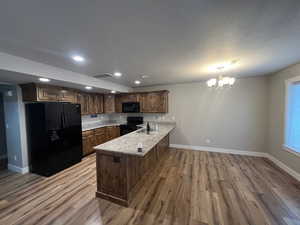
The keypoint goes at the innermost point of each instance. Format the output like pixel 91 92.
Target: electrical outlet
pixel 208 141
pixel 15 157
pixel 6 125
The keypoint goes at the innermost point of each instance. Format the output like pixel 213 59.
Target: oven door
pixel 130 107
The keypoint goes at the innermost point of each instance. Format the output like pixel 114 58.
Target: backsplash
pixel 121 117
pixel 95 118
pixel 157 117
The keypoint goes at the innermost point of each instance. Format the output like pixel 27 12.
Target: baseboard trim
pixel 219 150
pixel 284 167
pixel 277 162
pixel 17 169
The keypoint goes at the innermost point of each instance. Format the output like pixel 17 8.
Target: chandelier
pixel 221 81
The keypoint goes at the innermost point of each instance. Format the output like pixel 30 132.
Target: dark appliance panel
pixel 54 136
pixel 130 107
pixel 131 124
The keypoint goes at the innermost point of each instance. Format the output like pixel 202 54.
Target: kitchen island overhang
pixel 121 168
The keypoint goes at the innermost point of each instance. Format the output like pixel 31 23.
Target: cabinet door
pixel 118 103
pixel 109 104
pixel 48 93
pixel 116 131
pixel 98 103
pixel 100 136
pixel 155 102
pixel 130 98
pixel 112 175
pixel 110 133
pixel 67 95
pixel 81 99
pixel 88 142
pixel 91 107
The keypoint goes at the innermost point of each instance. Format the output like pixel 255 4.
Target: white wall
pixel 231 118
pixel 15 129
pixel 276 117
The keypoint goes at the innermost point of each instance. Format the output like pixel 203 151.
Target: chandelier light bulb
pixel 221 83
pixel 231 81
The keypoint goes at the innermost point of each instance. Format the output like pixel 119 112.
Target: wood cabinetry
pixel 119 176
pixel 112 132
pixel 150 102
pixel 98 103
pixel 98 136
pixel 92 103
pixel 68 95
pixel 85 101
pixel 154 102
pixel 128 97
pixel 41 92
pixel 112 174
pixel 109 103
pixel 88 142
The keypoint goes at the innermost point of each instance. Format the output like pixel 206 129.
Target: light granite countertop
pixel 92 126
pixel 127 144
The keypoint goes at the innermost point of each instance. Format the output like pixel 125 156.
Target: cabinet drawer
pixel 87 133
pixel 100 130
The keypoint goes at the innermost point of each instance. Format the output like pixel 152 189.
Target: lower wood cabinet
pixel 112 132
pixel 88 142
pixel 119 176
pixel 98 136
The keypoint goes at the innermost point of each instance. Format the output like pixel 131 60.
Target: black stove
pixel 131 124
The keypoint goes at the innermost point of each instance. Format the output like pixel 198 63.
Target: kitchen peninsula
pixel 120 166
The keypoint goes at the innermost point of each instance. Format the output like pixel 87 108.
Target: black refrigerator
pixel 54 136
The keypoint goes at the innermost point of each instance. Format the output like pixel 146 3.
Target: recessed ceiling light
pixel 137 82
pixel 117 74
pixel 78 58
pixel 113 92
pixel 44 79
pixel 88 88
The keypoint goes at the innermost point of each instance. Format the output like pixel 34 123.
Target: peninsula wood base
pixel 120 176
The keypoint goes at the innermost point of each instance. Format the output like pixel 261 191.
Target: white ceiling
pixel 171 41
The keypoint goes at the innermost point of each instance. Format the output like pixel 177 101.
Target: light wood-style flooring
pixel 189 187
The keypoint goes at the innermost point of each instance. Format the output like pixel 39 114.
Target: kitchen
pixel 94 133
pixel 149 112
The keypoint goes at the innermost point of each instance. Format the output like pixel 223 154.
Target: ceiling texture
pixel 170 41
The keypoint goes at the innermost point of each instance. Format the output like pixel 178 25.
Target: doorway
pixel 3 148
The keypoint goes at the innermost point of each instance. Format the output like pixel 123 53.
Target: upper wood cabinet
pixel 42 92
pixel 154 102
pixel 67 95
pixel 109 103
pixel 85 100
pixel 94 103
pixel 98 104
pixel 126 97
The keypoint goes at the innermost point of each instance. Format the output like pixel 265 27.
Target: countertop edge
pixel 142 154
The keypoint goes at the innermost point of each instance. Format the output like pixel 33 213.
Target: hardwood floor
pixel 189 187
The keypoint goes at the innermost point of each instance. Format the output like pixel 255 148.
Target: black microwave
pixel 130 107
